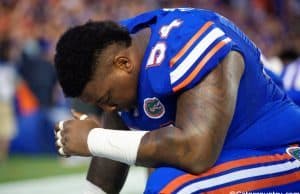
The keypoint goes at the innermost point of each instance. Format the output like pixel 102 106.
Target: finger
pixel 59 143
pixel 56 128
pixel 76 114
pixel 61 125
pixel 58 135
pixel 61 152
pixel 83 117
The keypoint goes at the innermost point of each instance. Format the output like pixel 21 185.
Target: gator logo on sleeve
pixel 294 152
pixel 153 108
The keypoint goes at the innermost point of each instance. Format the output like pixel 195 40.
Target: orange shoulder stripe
pixel 198 68
pixel 190 43
pixel 173 185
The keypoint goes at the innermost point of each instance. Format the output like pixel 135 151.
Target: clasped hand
pixel 71 135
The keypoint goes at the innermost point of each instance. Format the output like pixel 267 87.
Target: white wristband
pixel 90 188
pixel 118 145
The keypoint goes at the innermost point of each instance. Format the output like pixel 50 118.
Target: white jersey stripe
pixel 197 51
pixel 238 175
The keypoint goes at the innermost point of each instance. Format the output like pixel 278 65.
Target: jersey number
pixel 158 51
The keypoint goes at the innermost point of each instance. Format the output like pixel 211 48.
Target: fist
pixel 71 136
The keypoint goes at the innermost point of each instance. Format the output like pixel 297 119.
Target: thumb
pixel 76 115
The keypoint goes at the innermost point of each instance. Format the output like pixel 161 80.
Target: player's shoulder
pixel 184 46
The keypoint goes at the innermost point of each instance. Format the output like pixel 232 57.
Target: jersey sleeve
pixel 199 55
pixel 193 49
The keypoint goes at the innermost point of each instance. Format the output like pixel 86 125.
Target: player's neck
pixel 140 41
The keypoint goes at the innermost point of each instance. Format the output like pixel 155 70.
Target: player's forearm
pixel 187 148
pixel 172 146
pixel 191 151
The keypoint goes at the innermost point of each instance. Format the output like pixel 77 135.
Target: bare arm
pixel 109 175
pixel 203 116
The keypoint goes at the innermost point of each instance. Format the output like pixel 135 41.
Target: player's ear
pixel 123 63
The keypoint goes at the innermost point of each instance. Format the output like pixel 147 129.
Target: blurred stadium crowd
pixel 30 98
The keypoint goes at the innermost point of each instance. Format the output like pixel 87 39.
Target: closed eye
pixel 104 99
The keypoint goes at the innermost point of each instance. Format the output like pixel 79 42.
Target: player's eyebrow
pixel 99 100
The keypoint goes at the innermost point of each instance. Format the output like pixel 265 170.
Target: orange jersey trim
pixel 173 185
pixel 198 68
pixel 259 184
pixel 190 43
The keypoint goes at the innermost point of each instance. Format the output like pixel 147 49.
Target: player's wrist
pixel 118 145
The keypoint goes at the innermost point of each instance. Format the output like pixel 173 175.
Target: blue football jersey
pixel 185 45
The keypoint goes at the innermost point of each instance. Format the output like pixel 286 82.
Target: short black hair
pixel 78 49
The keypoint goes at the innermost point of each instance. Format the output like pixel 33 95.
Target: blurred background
pixel 31 100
